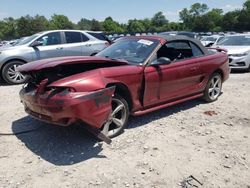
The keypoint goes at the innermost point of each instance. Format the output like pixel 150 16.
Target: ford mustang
pixel 134 76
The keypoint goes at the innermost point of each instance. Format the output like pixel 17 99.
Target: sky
pixel 119 10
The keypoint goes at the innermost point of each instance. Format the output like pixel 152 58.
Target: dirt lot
pixel 211 142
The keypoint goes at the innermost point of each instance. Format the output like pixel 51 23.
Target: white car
pixel 208 41
pixel 238 47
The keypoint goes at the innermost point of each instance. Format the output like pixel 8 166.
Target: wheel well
pixel 123 91
pixel 220 72
pixel 10 61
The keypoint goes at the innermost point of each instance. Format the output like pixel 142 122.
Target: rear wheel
pixel 213 88
pixel 118 117
pixel 10 73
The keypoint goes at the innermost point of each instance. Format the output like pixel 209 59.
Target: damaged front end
pixel 64 91
pixel 65 106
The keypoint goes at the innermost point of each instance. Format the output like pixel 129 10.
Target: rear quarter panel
pixel 214 62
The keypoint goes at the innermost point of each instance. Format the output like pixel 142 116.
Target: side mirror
pixel 36 43
pixel 163 61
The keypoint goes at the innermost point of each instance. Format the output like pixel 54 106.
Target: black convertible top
pixel 170 38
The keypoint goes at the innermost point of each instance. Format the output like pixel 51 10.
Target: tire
pixel 248 69
pixel 213 88
pixel 119 115
pixel 11 75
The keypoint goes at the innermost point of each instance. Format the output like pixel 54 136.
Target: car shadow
pixel 55 144
pixel 165 112
pixel 239 72
pixel 2 82
pixel 71 145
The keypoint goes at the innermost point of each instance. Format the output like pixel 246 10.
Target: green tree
pixel 213 20
pixel 135 26
pixel 1 30
pixel 176 26
pixel 243 18
pixel 159 20
pixel 9 28
pixel 96 25
pixel 84 24
pixel 60 22
pixel 39 23
pixel 198 9
pixel 24 26
pixel 111 26
pixel 192 17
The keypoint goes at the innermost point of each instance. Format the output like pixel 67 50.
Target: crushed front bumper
pixel 65 108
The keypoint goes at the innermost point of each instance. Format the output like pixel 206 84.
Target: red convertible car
pixel 134 76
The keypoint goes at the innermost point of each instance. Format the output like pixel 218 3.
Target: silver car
pixel 48 44
pixel 238 49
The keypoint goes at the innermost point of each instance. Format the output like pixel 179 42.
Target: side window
pixel 99 36
pixel 73 37
pixel 84 38
pixel 196 50
pixel 50 39
pixel 175 51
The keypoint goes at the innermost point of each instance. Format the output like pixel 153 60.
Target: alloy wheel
pixel 14 74
pixel 117 118
pixel 214 89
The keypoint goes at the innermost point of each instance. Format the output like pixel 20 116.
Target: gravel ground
pixel 211 142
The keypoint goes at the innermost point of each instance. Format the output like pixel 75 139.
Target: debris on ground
pixel 190 182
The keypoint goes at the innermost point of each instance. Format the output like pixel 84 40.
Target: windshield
pixel 213 39
pixel 235 41
pixel 133 50
pixel 26 40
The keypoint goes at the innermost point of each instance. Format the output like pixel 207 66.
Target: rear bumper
pixel 64 109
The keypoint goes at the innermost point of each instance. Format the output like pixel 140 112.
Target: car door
pixel 76 44
pixel 50 46
pixel 166 82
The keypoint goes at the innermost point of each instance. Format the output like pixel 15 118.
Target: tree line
pixel 198 17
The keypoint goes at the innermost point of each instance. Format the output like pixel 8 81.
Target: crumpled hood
pixel 53 62
pixel 236 49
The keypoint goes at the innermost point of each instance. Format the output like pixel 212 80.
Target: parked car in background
pixel 220 38
pixel 184 33
pixel 188 34
pixel 209 41
pixel 48 44
pixel 135 75
pixel 238 47
pixel 99 35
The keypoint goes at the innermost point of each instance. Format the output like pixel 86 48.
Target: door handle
pixel 88 45
pixel 59 48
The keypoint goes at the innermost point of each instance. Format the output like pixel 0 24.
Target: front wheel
pixel 213 88
pixel 118 117
pixel 10 73
pixel 248 69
